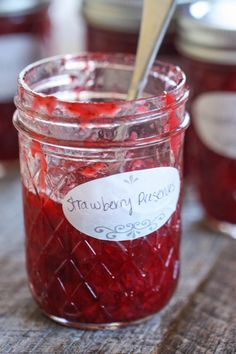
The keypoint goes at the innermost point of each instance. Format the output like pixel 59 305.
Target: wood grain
pixel 199 319
pixel 207 323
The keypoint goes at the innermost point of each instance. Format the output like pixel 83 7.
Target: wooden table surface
pixel 201 318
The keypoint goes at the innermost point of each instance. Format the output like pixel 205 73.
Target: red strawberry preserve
pixel 24 27
pixel 210 62
pixel 102 184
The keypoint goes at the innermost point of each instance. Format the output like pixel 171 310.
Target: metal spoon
pixel 155 20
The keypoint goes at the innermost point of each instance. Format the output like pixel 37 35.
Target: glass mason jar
pixel 113 26
pixel 24 26
pixel 207 41
pixel 102 182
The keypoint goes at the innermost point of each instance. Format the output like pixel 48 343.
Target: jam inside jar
pixel 102 185
pixel 24 28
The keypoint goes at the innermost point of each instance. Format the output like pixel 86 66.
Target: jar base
pixel 96 326
pixel 224 227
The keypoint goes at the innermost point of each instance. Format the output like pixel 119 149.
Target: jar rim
pixel 179 91
pixel 48 116
pixel 206 31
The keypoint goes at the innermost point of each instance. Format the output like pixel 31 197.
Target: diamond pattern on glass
pixel 81 279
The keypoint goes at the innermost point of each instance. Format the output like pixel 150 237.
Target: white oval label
pixel 124 206
pixel 215 121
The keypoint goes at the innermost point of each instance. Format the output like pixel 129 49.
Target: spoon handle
pixel 155 20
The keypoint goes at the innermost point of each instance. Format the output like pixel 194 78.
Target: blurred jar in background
pixel 113 26
pixel 207 40
pixel 24 29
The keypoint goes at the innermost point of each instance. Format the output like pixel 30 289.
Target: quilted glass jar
pixel 102 182
pixel 207 33
pixel 24 27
